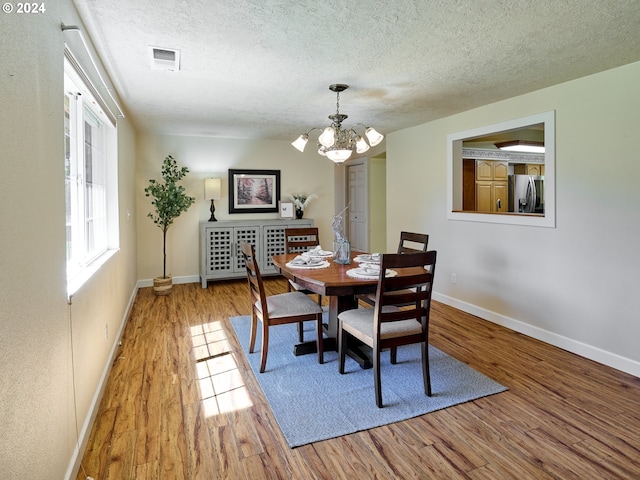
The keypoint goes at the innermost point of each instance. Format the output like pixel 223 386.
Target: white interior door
pixel 358 206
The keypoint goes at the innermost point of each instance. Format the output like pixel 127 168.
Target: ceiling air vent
pixel 165 59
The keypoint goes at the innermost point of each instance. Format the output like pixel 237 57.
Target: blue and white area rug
pixel 313 402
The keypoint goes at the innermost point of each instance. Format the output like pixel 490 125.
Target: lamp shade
pixel 327 137
pixel 374 136
pixel 301 142
pixel 361 145
pixel 212 188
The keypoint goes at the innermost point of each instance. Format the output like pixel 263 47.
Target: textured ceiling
pixel 262 68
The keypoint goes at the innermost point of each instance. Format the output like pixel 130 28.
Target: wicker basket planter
pixel 162 285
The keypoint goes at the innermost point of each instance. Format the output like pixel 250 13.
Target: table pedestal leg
pixel 356 350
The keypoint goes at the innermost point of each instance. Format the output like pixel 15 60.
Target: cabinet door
pixel 534 169
pixel 272 244
pixel 520 169
pixel 492 197
pixel 249 234
pixel 484 170
pixel 219 251
pixel 500 171
pixel 500 194
pixel 483 196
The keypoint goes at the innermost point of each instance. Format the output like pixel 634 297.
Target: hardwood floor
pixel 564 417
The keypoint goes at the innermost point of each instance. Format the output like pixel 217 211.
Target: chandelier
pixel 336 143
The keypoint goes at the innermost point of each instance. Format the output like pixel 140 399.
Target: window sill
pixel 76 283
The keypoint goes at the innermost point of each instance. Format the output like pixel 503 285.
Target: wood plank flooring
pixel 564 417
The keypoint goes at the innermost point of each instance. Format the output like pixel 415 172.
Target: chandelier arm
pixel 314 128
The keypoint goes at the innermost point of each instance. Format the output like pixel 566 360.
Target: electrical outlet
pixel 454 278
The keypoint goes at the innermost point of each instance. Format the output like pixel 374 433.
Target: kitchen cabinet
pixel 492 197
pixel 491 187
pixel 492 170
pixel 220 252
pixel 528 169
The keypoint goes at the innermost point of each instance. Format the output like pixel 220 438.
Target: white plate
pixel 323 264
pixel 319 254
pixel 364 275
pixel 365 257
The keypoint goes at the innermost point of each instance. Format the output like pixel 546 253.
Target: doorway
pixel 357 199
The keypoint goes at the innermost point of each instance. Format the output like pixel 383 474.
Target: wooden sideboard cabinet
pixel 220 253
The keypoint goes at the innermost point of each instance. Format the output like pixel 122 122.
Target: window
pixel 90 180
pixel 456 167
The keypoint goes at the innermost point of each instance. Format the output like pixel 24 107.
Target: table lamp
pixel 212 192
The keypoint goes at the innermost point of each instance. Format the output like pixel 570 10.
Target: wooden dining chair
pixel 290 307
pixel 300 240
pixel 396 318
pixel 410 242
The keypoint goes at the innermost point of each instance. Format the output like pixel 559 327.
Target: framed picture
pixel 254 191
pixel 286 210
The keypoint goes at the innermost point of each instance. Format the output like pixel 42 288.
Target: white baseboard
pixel 588 351
pixel 148 282
pixel 83 438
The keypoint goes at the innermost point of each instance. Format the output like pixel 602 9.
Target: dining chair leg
pixel 252 335
pixel 300 332
pixel 393 355
pixel 319 339
pixel 376 377
pixel 265 347
pixel 426 377
pixel 341 348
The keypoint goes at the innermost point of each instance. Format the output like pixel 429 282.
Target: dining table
pixel 331 281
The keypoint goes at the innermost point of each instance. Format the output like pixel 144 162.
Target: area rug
pixel 313 402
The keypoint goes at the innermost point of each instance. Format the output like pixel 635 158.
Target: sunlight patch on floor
pixel 222 387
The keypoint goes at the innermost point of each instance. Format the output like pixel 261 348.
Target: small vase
pixel 299 213
pixel 342 252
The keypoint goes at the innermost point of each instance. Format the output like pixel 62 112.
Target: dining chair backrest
pixel 413 242
pixel 412 290
pixel 410 242
pixel 298 240
pixel 256 288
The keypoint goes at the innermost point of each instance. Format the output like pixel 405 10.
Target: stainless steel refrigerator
pixel 526 194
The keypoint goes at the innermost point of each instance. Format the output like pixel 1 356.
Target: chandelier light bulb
pixel 374 136
pixel 361 145
pixel 301 142
pixel 327 137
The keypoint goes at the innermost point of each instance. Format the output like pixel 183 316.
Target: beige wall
pixel 575 285
pixel 213 157
pixel 378 205
pixel 38 434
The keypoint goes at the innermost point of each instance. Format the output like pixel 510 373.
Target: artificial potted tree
pixel 169 201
